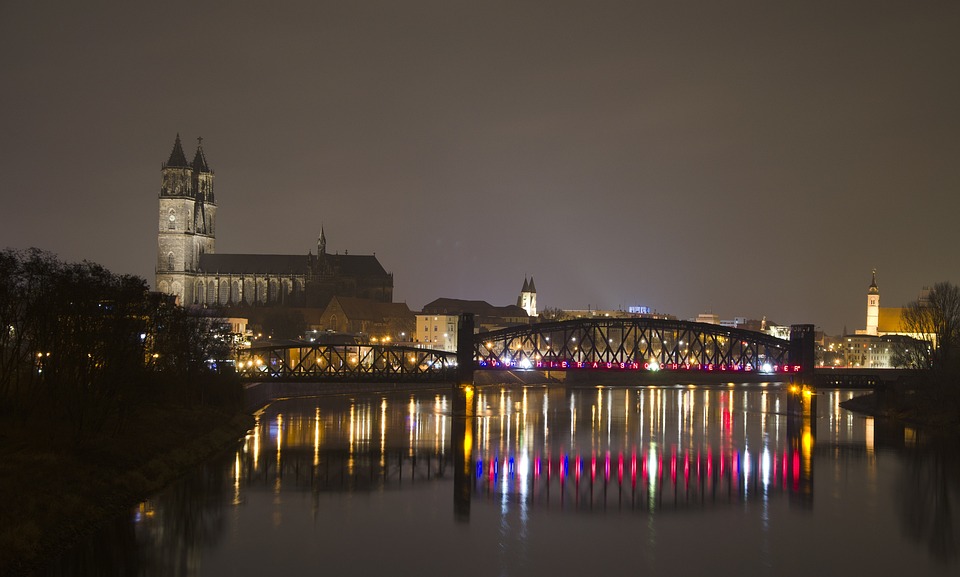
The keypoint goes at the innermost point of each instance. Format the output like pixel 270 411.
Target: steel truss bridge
pixel 631 344
pixel 634 344
pixel 346 363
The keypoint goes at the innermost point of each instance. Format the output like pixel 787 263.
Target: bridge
pixel 602 344
pixel 306 361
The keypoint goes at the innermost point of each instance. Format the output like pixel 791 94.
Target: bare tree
pixel 936 320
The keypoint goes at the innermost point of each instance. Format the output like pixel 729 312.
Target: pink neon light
pixel 796 471
pixel 636 366
pixel 673 465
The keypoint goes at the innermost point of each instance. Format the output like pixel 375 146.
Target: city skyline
pixel 746 160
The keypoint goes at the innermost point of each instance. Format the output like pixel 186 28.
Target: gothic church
pixel 189 268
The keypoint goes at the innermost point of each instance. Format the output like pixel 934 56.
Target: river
pixel 681 480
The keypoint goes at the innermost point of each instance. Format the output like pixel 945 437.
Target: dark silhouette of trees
pixel 82 342
pixel 936 319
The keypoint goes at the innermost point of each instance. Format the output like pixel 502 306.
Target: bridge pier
pixel 802 412
pixel 463 413
pixel 801 399
pixel 803 351
pixel 465 361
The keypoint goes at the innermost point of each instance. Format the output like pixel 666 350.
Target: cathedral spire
pixel 874 289
pixel 177 158
pixel 199 159
pixel 322 243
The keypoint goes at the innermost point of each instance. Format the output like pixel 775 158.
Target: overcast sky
pixel 743 158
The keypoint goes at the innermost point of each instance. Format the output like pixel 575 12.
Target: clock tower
pixel 873 306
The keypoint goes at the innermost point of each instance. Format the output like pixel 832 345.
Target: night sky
pixel 743 158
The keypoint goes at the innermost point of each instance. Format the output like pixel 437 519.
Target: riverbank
pixel 54 491
pixel 904 404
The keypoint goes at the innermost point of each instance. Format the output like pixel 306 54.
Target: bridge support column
pixel 801 398
pixel 803 350
pixel 802 413
pixel 463 413
pixel 465 348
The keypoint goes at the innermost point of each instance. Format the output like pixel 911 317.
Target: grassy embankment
pixel 56 486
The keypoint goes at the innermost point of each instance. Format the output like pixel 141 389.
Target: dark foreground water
pixel 536 481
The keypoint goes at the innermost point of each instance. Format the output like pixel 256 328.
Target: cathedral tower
pixel 873 306
pixel 187 222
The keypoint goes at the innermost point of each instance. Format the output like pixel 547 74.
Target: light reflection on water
pixel 730 480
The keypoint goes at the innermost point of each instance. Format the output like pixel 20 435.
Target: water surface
pixel 534 481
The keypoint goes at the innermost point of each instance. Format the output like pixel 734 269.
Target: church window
pixel 172 220
pixel 170 261
pixel 223 296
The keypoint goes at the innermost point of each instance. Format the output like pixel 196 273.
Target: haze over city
pixel 742 158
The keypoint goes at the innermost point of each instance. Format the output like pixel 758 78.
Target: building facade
pixel 438 331
pixel 372 320
pixel 189 267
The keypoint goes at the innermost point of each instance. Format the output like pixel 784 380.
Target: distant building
pixel 888 321
pixel 189 267
pixel 761 326
pixel 367 318
pixel 879 352
pixel 438 331
pixel 487 317
pixel 528 298
pixel 708 318
pixel 614 314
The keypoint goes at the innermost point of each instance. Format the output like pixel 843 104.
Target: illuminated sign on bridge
pixel 635 366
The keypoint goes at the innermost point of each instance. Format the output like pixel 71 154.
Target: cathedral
pixel 189 267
